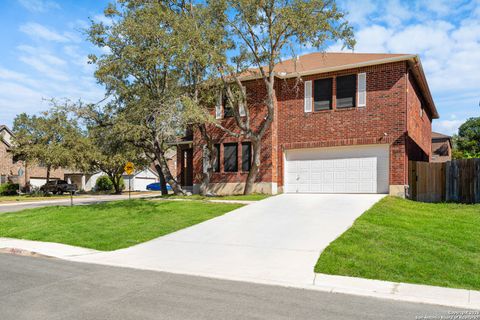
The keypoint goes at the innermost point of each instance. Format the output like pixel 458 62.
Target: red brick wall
pixel 419 125
pixel 256 94
pixel 385 112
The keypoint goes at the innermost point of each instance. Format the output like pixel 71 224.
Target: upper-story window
pixel 346 91
pixel 322 94
pixel 224 110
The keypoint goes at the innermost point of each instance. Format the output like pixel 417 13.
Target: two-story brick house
pixel 343 123
pixel 33 175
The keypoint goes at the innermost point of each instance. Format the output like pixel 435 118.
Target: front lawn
pixel 404 241
pixel 108 226
pixel 249 197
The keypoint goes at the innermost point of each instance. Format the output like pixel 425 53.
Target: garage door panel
pixel 362 169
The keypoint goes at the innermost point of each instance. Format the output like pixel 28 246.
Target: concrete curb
pixel 460 298
pixel 50 249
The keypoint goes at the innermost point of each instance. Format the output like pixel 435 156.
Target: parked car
pixel 58 187
pixel 156 187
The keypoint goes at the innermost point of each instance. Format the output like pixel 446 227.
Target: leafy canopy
pixel 467 142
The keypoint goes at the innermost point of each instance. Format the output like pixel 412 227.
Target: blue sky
pixel 44 52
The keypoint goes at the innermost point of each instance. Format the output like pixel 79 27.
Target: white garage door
pixel 37 182
pixel 359 169
pixel 140 184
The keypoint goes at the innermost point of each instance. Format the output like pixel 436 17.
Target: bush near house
pixel 105 184
pixel 8 189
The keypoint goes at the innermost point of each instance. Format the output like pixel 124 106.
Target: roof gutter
pixel 419 74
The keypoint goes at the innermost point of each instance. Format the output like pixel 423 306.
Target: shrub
pixel 8 189
pixel 104 184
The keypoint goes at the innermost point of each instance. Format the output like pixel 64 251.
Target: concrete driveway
pixel 277 240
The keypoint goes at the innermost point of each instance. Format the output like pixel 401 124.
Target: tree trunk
pixel 115 178
pixel 212 158
pixel 255 168
pixel 163 183
pixel 48 173
pixel 162 162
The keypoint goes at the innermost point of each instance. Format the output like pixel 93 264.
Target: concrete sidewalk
pixel 459 298
pixel 77 200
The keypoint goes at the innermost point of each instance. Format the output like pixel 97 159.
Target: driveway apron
pixel 277 240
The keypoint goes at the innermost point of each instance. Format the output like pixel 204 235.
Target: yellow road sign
pixel 129 168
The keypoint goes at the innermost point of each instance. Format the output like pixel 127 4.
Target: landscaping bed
pixel 404 241
pixel 108 226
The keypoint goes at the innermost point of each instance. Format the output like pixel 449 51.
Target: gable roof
pixel 322 62
pixel 440 136
pixel 2 128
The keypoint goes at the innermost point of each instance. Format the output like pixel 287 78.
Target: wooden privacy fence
pixel 453 181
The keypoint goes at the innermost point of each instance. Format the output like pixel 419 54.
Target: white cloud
pixel 100 18
pixel 446 35
pixel 449 127
pixel 11 75
pixel 38 5
pixel 44 68
pixel 36 30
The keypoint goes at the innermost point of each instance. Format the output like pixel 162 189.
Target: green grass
pixel 404 241
pixel 108 226
pixel 250 197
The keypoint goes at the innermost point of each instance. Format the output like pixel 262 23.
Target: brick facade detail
pixel 392 116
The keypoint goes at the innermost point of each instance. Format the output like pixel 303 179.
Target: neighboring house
pixel 88 181
pixel 441 147
pixel 84 181
pixel 343 123
pixel 140 179
pixel 33 175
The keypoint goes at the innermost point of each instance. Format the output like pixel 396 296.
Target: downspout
pixel 406 170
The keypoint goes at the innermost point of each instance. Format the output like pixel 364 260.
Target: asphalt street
pixel 44 288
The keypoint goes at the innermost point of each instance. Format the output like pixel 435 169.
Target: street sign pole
pixel 129 169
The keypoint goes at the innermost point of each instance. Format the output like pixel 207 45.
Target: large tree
pixel 262 33
pixel 50 139
pixel 467 141
pixel 160 55
pixel 137 71
pixel 104 149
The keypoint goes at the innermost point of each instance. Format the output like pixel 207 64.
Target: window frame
pixel 354 93
pixel 330 106
pixel 225 159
